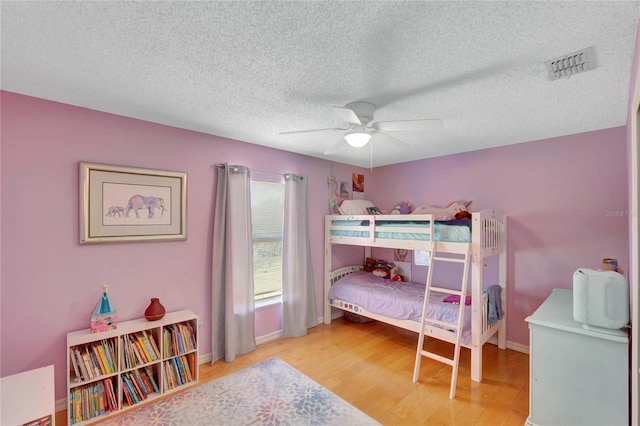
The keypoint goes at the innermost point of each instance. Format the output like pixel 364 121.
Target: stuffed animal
pixel 403 207
pixel 445 213
pixel 369 264
pixel 382 269
pixel 395 275
pixel 463 215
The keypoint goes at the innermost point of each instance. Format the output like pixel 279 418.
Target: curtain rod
pixel 260 171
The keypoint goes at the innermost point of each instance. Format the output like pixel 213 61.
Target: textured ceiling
pixel 250 70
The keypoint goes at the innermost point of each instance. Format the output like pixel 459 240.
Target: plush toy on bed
pixel 403 207
pixel 382 269
pixel 455 210
pixel 395 275
pixel 463 215
pixel 369 264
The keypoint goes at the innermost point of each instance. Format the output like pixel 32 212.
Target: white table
pixel 27 397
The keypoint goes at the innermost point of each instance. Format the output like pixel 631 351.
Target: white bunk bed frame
pixel 488 238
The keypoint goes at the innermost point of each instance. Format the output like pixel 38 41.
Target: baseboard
pixel 269 337
pixel 518 347
pixel 205 359
pixel 510 345
pixel 278 334
pixel 61 405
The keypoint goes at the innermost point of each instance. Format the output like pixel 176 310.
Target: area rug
pixel 270 393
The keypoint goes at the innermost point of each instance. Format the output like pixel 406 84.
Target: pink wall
pixel 50 284
pixel 565 197
pixel 555 191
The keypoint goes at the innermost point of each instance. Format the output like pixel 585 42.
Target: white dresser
pixel 28 398
pixel 577 376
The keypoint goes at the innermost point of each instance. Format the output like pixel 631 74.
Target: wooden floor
pixel 371 366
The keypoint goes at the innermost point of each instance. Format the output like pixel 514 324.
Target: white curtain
pixel 298 290
pixel 232 276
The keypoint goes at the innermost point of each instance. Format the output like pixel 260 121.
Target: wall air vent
pixel 575 63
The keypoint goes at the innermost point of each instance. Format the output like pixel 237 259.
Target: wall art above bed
pixel 120 204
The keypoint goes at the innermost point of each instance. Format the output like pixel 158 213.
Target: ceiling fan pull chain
pixel 371 158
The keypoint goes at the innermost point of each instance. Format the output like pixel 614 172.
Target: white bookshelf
pixel 165 354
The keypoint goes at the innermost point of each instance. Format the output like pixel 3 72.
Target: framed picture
pixel 119 204
pixel 373 210
pixel 357 182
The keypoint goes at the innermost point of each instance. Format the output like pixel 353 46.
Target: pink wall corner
pixel 565 198
pixel 634 96
pixel 50 283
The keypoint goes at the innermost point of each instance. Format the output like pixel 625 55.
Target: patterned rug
pixel 270 392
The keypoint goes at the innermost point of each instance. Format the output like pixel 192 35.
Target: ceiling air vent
pixel 575 63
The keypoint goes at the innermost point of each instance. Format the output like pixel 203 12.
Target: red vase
pixel 155 310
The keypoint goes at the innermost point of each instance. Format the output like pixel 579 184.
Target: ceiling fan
pixel 361 130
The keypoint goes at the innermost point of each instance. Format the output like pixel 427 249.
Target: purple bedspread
pixel 396 299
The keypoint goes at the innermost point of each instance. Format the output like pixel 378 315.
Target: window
pixel 267 218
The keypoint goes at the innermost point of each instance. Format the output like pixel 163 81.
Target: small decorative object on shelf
pixel 155 310
pixel 103 317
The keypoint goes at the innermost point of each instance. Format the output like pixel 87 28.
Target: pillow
pixel 444 213
pixel 354 207
pixel 456 300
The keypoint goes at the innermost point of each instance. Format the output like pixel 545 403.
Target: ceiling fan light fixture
pixel 357 138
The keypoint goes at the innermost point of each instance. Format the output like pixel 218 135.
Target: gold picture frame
pixel 131 204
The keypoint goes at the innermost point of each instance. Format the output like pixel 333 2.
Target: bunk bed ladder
pixel 427 322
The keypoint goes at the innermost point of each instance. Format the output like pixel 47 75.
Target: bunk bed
pixel 484 235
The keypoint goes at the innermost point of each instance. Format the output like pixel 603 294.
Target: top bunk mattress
pixel 455 231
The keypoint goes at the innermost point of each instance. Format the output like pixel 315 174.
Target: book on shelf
pixel 112 402
pixel 151 342
pixel 149 381
pixel 127 353
pixel 127 393
pixel 142 385
pixel 140 394
pixel 102 402
pixel 131 388
pixel 88 401
pixel 104 359
pixel 42 421
pixel 177 371
pixel 74 362
pixel 143 348
pixel 187 368
pixel 84 375
pixel 145 341
pixel 77 404
pixel 133 355
pixel 149 374
pixel 86 356
pixel 110 354
pixel 169 376
pixel 101 365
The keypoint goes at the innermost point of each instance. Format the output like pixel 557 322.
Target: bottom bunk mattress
pixel 400 300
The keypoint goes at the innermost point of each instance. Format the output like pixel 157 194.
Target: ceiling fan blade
pixel 391 141
pixel 408 125
pixel 314 131
pixel 335 147
pixel 347 114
